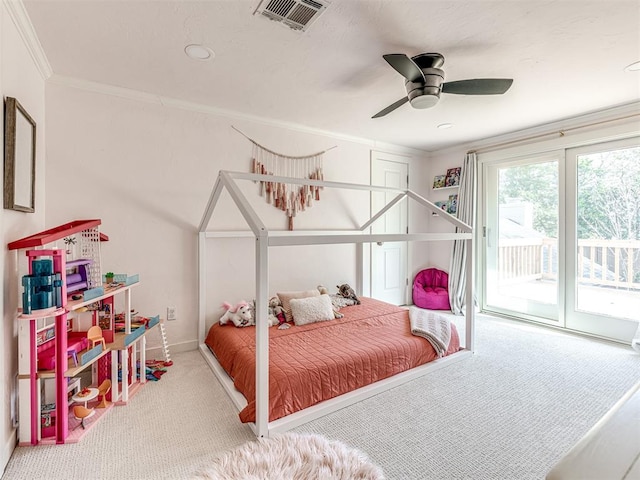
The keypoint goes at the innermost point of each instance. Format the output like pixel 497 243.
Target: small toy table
pixel 78 398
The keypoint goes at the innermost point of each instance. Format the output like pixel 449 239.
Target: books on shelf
pixel 452 179
pixel 449 180
pixel 450 205
pixel 438 181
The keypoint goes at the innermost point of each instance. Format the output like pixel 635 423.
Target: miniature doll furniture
pixel 79 276
pixel 431 289
pixel 76 342
pixel 42 288
pixel 82 413
pixel 103 389
pixel 94 335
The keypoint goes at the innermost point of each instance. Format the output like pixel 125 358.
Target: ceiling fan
pixel 425 81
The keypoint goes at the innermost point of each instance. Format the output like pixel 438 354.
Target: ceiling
pixel 566 57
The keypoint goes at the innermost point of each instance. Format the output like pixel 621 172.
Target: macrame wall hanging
pixel 291 198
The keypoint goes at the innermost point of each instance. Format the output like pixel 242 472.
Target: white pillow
pixel 285 298
pixel 311 309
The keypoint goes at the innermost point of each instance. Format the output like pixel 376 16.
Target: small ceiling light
pixel 198 52
pixel 424 101
pixel 634 67
pixel 445 125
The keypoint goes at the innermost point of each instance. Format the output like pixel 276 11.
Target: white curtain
pixel 466 212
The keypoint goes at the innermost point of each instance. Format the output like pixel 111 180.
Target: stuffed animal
pixel 240 315
pixel 323 291
pixel 346 291
pixel 273 320
pixel 276 312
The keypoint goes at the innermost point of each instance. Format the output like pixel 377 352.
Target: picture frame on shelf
pixel 452 204
pixel 442 205
pixel 439 181
pixel 452 179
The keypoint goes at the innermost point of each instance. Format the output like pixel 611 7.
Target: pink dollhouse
pixel 53 351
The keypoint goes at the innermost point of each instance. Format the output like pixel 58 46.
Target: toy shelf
pixel 73 370
pixel 446 188
pixel 109 291
pixel 124 340
pixel 39 314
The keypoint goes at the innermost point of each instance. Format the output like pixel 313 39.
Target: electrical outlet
pixel 171 314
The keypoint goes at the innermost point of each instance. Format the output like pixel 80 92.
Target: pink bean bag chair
pixel 431 289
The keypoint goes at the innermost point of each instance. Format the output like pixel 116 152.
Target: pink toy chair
pixel 431 289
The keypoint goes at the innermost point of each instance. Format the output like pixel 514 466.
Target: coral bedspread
pixel 319 361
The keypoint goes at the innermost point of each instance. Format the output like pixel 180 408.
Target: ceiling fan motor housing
pixel 425 94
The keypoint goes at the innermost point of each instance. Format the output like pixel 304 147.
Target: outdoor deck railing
pixel 613 263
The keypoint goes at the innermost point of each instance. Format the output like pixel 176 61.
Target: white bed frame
pixel 264 240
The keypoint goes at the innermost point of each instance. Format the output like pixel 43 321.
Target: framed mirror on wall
pixel 19 157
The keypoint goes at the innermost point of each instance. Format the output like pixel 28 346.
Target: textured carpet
pixel 509 412
pixel 292 456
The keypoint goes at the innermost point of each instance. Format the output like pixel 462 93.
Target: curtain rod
pixel 560 133
pixel 279 154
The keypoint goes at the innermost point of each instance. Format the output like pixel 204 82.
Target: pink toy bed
pixel 76 342
pixel 319 361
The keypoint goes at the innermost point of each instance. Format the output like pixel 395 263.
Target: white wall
pixel 439 163
pixel 19 78
pixel 147 172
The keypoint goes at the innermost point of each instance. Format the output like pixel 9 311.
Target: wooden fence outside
pixel 612 263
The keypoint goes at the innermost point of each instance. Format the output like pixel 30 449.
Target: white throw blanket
pixel 435 328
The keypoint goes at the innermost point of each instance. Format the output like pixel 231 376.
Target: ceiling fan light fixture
pixel 199 52
pixel 424 101
pixel 634 67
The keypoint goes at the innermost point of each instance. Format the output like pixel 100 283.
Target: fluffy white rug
pixel 292 456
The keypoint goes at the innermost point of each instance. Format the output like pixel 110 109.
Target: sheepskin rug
pixel 292 456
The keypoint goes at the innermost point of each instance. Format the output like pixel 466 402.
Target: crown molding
pixel 141 96
pixel 615 114
pixel 23 24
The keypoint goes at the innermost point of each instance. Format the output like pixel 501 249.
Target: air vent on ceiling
pixel 296 14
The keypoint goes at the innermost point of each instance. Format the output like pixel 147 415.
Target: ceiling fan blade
pixel 478 86
pixel 391 107
pixel 404 66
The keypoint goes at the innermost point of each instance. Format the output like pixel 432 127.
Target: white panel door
pixel 389 260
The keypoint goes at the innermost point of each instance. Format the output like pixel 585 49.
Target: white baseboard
pixel 156 352
pixel 7 450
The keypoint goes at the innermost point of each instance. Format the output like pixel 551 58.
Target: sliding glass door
pixel 561 238
pixel 603 239
pixel 521 237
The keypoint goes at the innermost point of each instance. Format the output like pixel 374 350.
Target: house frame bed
pixel 265 239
